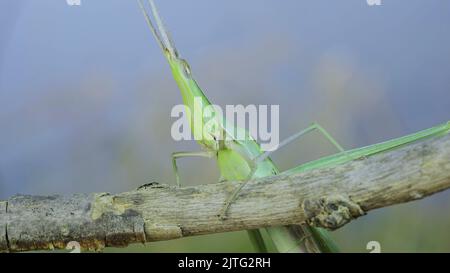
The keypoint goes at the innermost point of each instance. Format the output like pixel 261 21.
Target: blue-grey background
pixel 85 94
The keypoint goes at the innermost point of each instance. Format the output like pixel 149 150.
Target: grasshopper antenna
pixel 160 32
pixel 150 25
pixel 162 29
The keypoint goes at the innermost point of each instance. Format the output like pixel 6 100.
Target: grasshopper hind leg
pixel 313 127
pixel 255 162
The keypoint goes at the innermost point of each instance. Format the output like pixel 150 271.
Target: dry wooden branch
pixel 329 197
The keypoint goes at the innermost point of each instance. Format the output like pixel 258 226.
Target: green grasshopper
pixel 243 159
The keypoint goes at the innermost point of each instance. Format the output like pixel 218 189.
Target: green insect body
pixel 367 151
pixel 238 160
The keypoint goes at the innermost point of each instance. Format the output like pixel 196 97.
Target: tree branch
pixel 328 197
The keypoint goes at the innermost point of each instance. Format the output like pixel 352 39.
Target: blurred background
pixel 85 95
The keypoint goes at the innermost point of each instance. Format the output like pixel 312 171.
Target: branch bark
pixel 328 197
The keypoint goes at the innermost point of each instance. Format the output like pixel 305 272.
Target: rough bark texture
pixel 329 197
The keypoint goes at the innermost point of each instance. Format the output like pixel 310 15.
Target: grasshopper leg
pixel 313 127
pixel 178 155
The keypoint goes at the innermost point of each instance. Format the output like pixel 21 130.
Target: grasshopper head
pixel 206 128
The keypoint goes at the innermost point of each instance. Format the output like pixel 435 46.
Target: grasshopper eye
pixel 187 68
